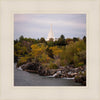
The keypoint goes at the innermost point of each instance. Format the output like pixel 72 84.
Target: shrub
pixel 75 53
pixel 63 62
pixel 57 62
pixel 80 64
pixel 23 60
pixel 52 66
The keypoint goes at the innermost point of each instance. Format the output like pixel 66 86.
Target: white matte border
pixel 9 92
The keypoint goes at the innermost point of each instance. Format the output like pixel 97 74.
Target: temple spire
pixel 50 34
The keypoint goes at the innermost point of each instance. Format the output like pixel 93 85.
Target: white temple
pixel 50 35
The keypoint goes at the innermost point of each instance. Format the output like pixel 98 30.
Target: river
pixel 22 78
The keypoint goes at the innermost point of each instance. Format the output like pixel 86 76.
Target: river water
pixel 22 78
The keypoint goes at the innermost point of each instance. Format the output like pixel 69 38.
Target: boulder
pixel 30 67
pixel 80 78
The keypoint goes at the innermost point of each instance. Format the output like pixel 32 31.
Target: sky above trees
pixel 38 25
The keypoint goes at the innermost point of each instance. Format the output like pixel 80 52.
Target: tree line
pixel 61 52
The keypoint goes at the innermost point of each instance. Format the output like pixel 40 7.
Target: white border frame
pixel 8 91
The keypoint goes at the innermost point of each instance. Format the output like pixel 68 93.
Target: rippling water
pixel 22 78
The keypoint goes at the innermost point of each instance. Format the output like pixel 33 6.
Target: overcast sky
pixel 38 25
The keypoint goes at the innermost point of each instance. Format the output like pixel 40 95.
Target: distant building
pixel 50 34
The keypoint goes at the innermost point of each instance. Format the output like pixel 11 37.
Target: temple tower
pixel 50 34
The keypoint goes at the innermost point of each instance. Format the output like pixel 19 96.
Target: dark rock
pixel 30 67
pixel 81 78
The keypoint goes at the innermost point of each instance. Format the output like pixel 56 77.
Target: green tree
pixel 42 40
pixel 50 43
pixel 75 39
pixel 21 38
pixel 69 41
pixel 15 41
pixel 49 52
pixel 84 38
pixel 61 41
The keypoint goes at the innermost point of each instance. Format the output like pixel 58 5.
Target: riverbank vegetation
pixel 51 54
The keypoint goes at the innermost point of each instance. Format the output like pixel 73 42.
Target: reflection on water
pixel 22 78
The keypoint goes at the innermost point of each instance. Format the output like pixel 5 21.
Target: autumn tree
pixel 75 53
pixel 56 51
pixel 39 52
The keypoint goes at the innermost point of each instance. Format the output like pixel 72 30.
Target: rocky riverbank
pixel 78 74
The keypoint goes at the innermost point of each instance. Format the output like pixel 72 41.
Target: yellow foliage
pixel 56 50
pixel 78 49
pixel 22 60
pixel 44 58
pixel 37 49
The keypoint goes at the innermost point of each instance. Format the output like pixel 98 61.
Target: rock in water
pixel 19 68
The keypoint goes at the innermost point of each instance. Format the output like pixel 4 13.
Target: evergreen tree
pixel 61 41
